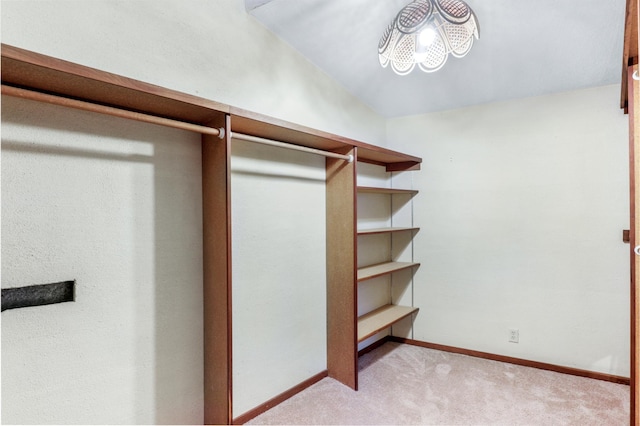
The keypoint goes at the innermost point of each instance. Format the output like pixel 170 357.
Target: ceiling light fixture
pixel 424 32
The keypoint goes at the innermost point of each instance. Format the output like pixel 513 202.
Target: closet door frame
pixel 634 236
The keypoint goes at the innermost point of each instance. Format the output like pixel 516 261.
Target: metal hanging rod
pixel 103 109
pixel 249 138
pixel 152 119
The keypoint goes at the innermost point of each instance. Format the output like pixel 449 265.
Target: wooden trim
pixel 279 399
pixel 374 345
pixel 630 49
pixel 342 298
pixel 516 361
pixel 634 238
pixel 216 203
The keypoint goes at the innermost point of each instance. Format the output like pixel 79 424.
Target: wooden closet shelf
pixel 253 123
pixel 380 269
pixel 384 230
pixel 372 190
pixel 381 318
pixel 34 71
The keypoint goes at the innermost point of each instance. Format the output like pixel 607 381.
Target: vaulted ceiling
pixel 526 48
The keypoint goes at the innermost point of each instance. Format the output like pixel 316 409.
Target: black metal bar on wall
pixel 37 295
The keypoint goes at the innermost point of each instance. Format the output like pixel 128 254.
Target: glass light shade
pixel 425 32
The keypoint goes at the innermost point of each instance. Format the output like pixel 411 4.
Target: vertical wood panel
pixel 634 173
pixel 342 328
pixel 216 203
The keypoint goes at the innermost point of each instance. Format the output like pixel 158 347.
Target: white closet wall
pixel 116 205
pixel 279 271
pixel 521 209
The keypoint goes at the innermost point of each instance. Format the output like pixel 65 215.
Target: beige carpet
pixel 403 384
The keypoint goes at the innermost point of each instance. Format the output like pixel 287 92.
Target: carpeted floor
pixel 403 384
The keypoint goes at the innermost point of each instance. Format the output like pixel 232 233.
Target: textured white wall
pixel 115 205
pixel 279 271
pixel 127 224
pixel 522 207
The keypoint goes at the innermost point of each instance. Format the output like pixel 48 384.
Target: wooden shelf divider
pixel 374 231
pixel 373 271
pixel 381 318
pixel 374 190
pixel 342 321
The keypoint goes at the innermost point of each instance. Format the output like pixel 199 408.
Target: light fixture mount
pixel 425 32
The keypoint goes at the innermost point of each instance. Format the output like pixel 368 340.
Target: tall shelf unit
pixel 385 257
pixel 43 78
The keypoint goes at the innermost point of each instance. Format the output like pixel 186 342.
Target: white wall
pixel 208 48
pixel 126 221
pixel 521 209
pixel 115 205
pixel 279 271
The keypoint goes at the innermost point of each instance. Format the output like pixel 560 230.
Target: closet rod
pixel 249 138
pixel 103 109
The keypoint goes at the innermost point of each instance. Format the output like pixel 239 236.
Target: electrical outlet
pixel 514 335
